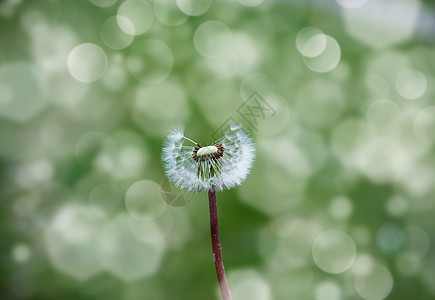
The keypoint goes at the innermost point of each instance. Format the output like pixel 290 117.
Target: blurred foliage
pixel 338 96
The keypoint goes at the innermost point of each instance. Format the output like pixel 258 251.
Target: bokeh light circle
pixel 363 261
pixel 70 240
pixel 373 282
pixel 212 39
pixel 334 251
pixel 411 84
pixel 367 23
pixel 248 284
pixel 328 290
pixel 150 61
pixel 113 36
pixel 87 62
pixel 168 13
pixel 139 13
pixel 315 46
pixel 310 42
pixel 103 3
pixel 193 7
pixel 328 59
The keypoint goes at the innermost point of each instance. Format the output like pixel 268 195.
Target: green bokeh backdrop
pixel 338 96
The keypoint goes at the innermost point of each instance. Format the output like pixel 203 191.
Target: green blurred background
pixel 338 96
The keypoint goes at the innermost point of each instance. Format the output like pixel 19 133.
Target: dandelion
pixel 222 165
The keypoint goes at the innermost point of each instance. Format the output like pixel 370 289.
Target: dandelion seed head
pixel 222 165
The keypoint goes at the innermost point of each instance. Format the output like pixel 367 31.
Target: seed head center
pixel 205 151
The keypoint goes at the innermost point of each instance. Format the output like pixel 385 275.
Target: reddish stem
pixel 216 245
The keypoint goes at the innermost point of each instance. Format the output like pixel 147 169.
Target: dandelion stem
pixel 216 245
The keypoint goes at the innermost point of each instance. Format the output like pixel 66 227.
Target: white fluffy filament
pixel 210 168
